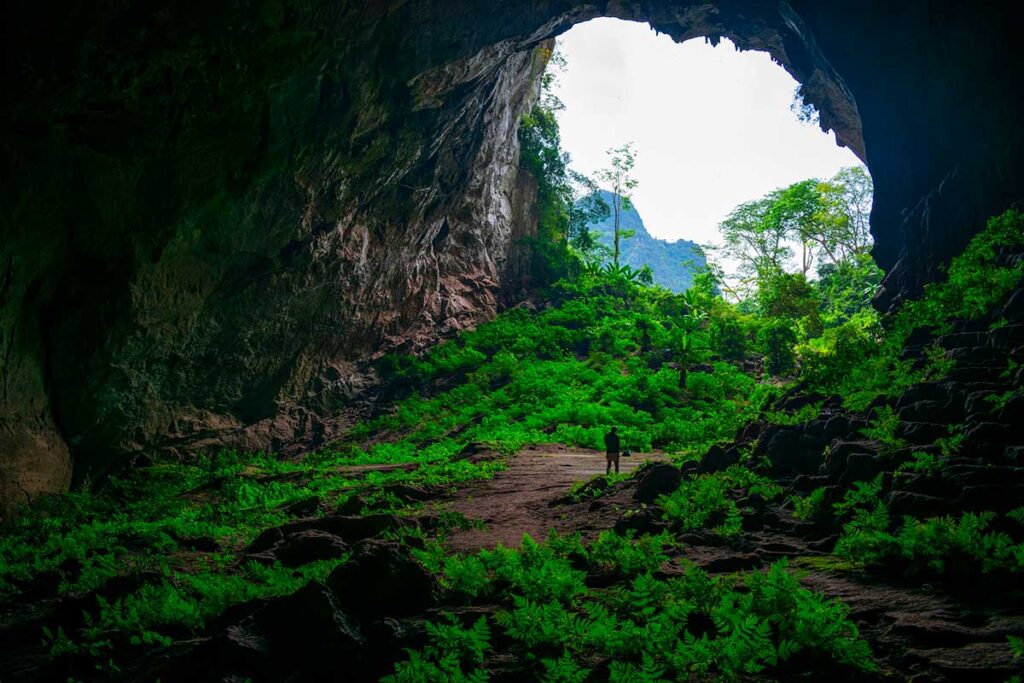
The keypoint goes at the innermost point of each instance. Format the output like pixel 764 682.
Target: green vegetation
pixel 647 626
pixel 607 354
pixel 954 548
pixel 709 500
pixel 860 359
pixel 156 554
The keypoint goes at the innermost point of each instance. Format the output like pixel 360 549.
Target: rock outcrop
pixel 213 218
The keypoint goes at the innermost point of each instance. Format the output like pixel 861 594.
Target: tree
pixel 775 340
pixel 755 241
pixel 587 208
pixel 827 219
pixel 855 195
pixel 618 177
pixel 566 200
pixel 796 213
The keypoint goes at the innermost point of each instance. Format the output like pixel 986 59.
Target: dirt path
pixel 916 632
pixel 518 500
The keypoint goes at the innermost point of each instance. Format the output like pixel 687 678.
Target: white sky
pixel 712 126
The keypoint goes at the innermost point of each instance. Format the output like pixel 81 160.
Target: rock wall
pixel 213 217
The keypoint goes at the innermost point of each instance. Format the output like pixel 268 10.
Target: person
pixel 611 449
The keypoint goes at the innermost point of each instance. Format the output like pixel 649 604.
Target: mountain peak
pixel 673 263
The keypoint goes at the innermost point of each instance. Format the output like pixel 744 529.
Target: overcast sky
pixel 712 126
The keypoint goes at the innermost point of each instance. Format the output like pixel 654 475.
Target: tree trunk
pixel 615 203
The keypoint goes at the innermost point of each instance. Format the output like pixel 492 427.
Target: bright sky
pixel 712 126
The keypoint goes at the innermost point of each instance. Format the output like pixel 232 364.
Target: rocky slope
pixel 672 263
pixel 213 218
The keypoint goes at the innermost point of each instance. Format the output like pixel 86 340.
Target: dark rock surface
pixel 214 217
pixel 382 580
pixel 657 480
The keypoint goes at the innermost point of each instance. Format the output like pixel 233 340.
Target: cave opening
pixel 710 128
pixel 287 287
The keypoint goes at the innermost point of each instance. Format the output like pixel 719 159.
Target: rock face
pixel 213 218
pixel 673 264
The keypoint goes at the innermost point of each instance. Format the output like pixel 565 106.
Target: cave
pixel 219 221
pixel 195 249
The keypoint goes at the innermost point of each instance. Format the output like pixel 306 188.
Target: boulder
pixel 657 480
pixel 790 451
pixel 382 579
pixel 302 508
pixel 310 545
pixel 860 467
pixel 309 628
pixel 718 458
pixel 916 504
pixel 921 432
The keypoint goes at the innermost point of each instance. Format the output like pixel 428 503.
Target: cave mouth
pixel 712 126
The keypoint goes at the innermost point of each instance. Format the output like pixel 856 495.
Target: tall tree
pixel 758 243
pixel 619 179
pixel 586 208
pixel 855 194
pixel 796 212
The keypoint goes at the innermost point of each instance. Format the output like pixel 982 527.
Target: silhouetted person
pixel 611 449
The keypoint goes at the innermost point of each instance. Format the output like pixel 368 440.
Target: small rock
pixel 642 521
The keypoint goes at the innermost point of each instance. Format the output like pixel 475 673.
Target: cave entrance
pixel 712 127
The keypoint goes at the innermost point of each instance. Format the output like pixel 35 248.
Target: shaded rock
pixel 303 547
pixel 589 489
pixel 978 356
pixel 1000 498
pixel 938 392
pixel 265 541
pixel 805 483
pixel 916 504
pixel 961 340
pixel 344 529
pixel 790 451
pixel 748 432
pixel 309 628
pixel 1013 409
pixel 350 528
pixel 839 453
pixel 203 544
pixel 1006 337
pixel 1013 310
pixel 642 521
pixel 860 467
pixel 410 494
pixel 992 436
pixel 382 579
pixel 921 432
pixel 976 373
pixel 796 399
pixel 302 508
pixel 657 480
pixel 932 411
pixel 973 662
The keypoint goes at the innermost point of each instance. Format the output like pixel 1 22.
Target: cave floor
pixel 523 499
pixel 917 631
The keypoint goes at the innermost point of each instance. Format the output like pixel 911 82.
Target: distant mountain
pixel 673 263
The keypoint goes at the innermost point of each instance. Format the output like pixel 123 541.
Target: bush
pixel 776 340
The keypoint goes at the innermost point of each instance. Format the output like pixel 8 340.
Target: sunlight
pixel 712 126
